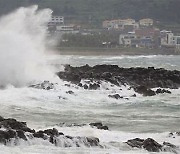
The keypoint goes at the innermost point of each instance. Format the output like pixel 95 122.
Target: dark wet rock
pixel 162 91
pixel 115 96
pixel 60 97
pixel 70 76
pixel 53 132
pixel 169 145
pixel 148 144
pixel 1 118
pixel 14 124
pixel 85 86
pixel 174 134
pixel 67 85
pixel 46 85
pixel 144 91
pixel 99 125
pixel 80 85
pixel 96 124
pixel 134 95
pixel 69 137
pixel 137 142
pixel 13 129
pixel 5 136
pixel 94 86
pixel 39 134
pixel 151 145
pixel 70 92
pixel 104 128
pixel 134 77
pixel 21 135
pixel 93 141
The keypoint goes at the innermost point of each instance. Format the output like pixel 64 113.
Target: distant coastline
pixel 112 51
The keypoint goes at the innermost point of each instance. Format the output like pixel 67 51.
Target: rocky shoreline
pixel 11 131
pixel 142 80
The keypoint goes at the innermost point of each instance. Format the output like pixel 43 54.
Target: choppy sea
pixel 141 117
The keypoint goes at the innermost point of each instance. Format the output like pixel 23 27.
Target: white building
pixel 56 20
pixel 146 22
pixel 177 42
pixel 120 24
pixel 126 39
pixel 67 29
pixel 167 38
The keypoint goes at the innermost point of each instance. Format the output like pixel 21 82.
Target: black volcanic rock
pixel 137 142
pixel 115 96
pixel 69 92
pixel 99 125
pixel 14 124
pixel 46 85
pixel 134 77
pixel 94 86
pixel 161 91
pixel 144 90
pixel 151 145
pixel 13 129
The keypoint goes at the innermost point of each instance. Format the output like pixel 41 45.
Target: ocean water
pixel 23 62
pixel 141 117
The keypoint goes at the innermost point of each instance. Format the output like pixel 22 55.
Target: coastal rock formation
pixel 13 129
pixel 151 145
pixel 99 125
pixel 141 79
pixel 46 85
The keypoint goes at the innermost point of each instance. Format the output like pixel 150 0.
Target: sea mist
pixel 22 46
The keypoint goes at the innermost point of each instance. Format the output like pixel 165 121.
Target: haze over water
pixel 22 62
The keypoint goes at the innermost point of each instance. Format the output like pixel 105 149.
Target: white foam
pixel 22 37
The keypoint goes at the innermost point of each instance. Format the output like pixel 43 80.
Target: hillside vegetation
pixel 95 11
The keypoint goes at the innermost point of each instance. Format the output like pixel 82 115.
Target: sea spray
pixel 22 46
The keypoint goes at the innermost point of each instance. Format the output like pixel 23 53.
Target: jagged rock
pixel 1 118
pixel 161 91
pixel 134 77
pixel 151 145
pixel 67 85
pixel 85 86
pixel 39 134
pixel 137 142
pixel 94 86
pixel 53 132
pixel 99 125
pixel 93 141
pixel 169 145
pixel 46 85
pixel 5 136
pixel 144 90
pixel 70 92
pixel 148 144
pixel 134 95
pixel 116 96
pixel 15 129
pixel 21 135
pixel 16 125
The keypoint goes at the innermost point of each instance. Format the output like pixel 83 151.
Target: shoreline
pixel 111 51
